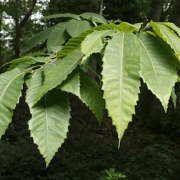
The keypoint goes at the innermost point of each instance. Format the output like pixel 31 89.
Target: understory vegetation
pixel 90 151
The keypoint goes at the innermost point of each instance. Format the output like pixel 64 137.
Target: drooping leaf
pixel 57 36
pixel 74 43
pixel 37 39
pixel 72 83
pixel 168 36
pixel 75 27
pixel 21 63
pixel 59 72
pixel 19 60
pixel 94 17
pixel 91 95
pixel 157 67
pixel 50 118
pixel 120 76
pixel 94 42
pixel 67 15
pixel 10 90
pixel 34 84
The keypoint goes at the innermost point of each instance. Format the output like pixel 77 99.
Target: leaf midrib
pixel 9 85
pixel 151 64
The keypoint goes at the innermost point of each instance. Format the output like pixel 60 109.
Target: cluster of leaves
pixel 127 53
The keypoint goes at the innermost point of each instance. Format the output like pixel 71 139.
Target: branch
pixel 27 15
pixel 101 8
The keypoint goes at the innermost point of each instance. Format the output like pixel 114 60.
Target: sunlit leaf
pixel 74 43
pixel 121 79
pixel 173 27
pixel 128 27
pixel 168 36
pixel 94 42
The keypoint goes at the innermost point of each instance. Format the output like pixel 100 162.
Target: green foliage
pixel 112 174
pixel 120 83
pixel 126 56
pixel 75 27
pixel 57 36
pixel 159 65
pixel 10 89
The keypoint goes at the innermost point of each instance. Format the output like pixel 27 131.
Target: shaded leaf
pixel 21 63
pixel 19 60
pixel 75 27
pixel 95 17
pixel 34 84
pixel 67 15
pixel 50 118
pixel 37 39
pixel 72 83
pixel 59 72
pixel 56 49
pixel 36 54
pixel 45 59
pixel 91 95
pixel 157 67
pixel 11 83
pixel 57 36
pixel 120 76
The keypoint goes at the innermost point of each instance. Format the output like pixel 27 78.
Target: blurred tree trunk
pixel 94 6
pixel 156 10
pixel 175 15
pixel 19 24
pixel 1 35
